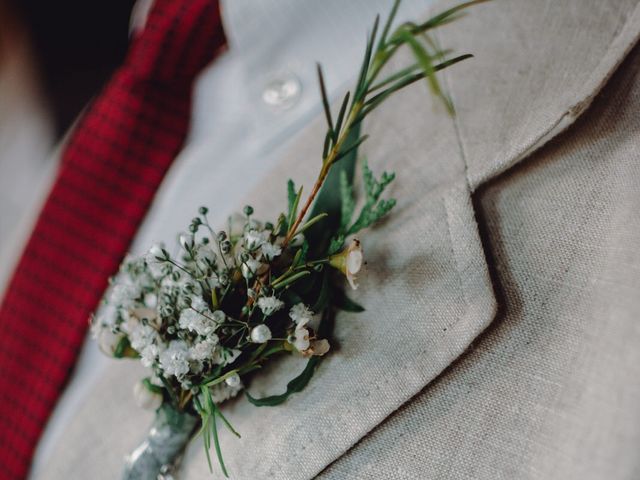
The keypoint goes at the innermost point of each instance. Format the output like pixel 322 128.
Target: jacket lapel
pixel 426 288
pixel 537 67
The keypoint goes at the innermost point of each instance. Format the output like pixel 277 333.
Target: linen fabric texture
pixel 500 336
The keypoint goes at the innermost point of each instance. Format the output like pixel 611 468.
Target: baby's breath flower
pixel 141 336
pixel 195 321
pixel 253 239
pixel 222 392
pixel 204 349
pixel 124 295
pixel 270 305
pixel 300 314
pixel 149 354
pixel 250 267
pixel 270 250
pixel 260 334
pixel 205 256
pixel 174 361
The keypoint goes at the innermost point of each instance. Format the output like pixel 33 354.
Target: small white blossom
pixel 145 398
pixel 270 250
pixel 124 295
pixel 254 239
pixel 250 268
pixel 270 305
pixel 349 261
pixel 260 334
pixel 200 323
pixel 141 336
pixel 301 339
pixel 300 314
pixel 205 256
pixel 149 354
pixel 175 359
pixel 204 349
pixel 198 303
pixel 222 392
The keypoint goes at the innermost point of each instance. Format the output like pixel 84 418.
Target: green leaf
pixel 323 297
pixel 351 148
pixel 325 102
pixel 362 79
pixel 150 386
pixel 311 222
pixel 425 60
pixel 291 197
pixel 221 378
pixel 289 280
pixel 406 81
pixel 348 201
pixel 216 440
pixel 294 386
pixel 344 303
pixel 226 423
pixel 336 244
pixel 374 208
pixel 387 25
pixel 121 347
pixel 444 17
pixel 293 208
pixel 343 111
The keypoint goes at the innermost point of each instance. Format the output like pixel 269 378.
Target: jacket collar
pixel 537 67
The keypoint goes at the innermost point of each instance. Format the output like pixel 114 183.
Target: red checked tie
pixel 110 170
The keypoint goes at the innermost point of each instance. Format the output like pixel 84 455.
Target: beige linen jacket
pixel 501 338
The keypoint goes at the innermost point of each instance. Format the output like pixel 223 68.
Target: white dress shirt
pixel 248 105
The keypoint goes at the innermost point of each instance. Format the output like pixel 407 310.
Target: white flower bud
pixel 250 268
pixel 233 381
pixel 298 240
pixel 260 334
pixel 108 341
pixel 156 252
pixel 186 241
pixel 145 398
pixel 253 239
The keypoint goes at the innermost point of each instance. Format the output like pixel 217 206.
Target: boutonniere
pixel 205 319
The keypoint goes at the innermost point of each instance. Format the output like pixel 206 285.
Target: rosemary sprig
pixel 430 60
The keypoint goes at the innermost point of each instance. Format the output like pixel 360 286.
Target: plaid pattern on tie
pixel 110 170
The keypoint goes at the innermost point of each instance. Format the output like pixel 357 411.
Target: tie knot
pixel 180 38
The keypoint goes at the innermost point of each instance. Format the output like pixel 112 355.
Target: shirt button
pixel 283 92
